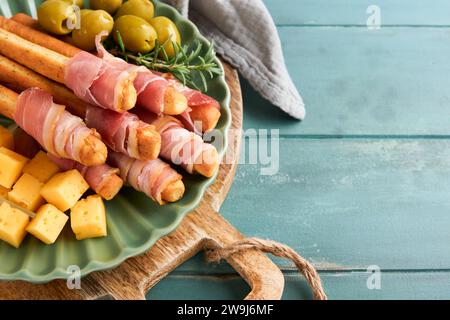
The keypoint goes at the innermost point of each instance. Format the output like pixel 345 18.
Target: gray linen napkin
pixel 245 35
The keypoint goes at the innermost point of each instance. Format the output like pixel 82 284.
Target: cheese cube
pixel 41 167
pixel 6 138
pixel 4 192
pixel 27 192
pixel 48 224
pixel 13 223
pixel 88 218
pixel 11 165
pixel 64 189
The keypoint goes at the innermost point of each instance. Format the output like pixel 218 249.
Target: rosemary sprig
pixel 189 64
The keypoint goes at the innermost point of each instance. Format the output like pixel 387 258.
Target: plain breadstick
pixel 35 36
pixel 42 60
pixel 175 103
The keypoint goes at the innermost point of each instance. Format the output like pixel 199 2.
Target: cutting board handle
pixel 262 275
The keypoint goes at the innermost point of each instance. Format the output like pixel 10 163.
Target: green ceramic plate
pixel 135 223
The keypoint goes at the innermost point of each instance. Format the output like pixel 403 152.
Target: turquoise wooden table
pixel 365 179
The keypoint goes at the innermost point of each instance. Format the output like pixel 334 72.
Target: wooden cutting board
pixel 200 229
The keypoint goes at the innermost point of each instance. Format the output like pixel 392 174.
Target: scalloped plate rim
pixel 127 252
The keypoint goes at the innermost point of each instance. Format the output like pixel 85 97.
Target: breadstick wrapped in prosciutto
pixel 58 131
pixel 103 179
pixel 122 132
pixel 203 111
pixel 96 81
pixel 155 178
pixel 182 147
pixel 52 126
pixel 154 92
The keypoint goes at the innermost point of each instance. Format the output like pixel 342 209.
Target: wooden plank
pixel 355 81
pixel 349 203
pixel 348 285
pixel 353 12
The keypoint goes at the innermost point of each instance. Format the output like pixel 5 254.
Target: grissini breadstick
pixel 30 33
pixel 155 178
pixel 154 92
pixel 26 20
pixel 203 113
pixel 204 160
pixel 122 132
pixel 52 126
pixel 102 179
pixel 91 78
pixel 181 146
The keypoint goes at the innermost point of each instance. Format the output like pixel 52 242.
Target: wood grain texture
pixel 198 230
pixel 345 204
pixel 341 285
pixel 359 82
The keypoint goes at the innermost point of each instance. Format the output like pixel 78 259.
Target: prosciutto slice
pixel 97 176
pixel 195 100
pixel 99 80
pixel 118 130
pixel 151 177
pixel 150 87
pixel 178 145
pixel 58 131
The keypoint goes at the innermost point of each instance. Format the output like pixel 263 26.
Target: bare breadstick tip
pixel 208 163
pixel 93 152
pixel 173 192
pixel 128 96
pixel 206 115
pixel 174 102
pixel 149 143
pixel 111 189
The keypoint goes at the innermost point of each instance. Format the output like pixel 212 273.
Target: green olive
pixel 167 32
pixel 57 17
pixel 79 3
pixel 139 8
pixel 137 34
pixel 92 23
pixel 85 12
pixel 109 6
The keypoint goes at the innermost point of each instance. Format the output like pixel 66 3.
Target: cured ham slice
pixel 151 177
pixel 123 131
pixel 102 82
pixel 154 92
pixel 100 178
pixel 58 131
pixel 178 145
pixel 203 111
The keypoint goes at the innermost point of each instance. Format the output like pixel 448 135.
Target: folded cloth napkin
pixel 245 35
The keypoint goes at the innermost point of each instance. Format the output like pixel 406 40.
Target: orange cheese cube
pixel 64 189
pixel 41 167
pixel 13 223
pixel 11 165
pixel 48 224
pixel 88 218
pixel 27 192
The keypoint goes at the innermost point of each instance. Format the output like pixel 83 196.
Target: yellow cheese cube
pixel 27 192
pixel 6 138
pixel 13 223
pixel 4 192
pixel 48 224
pixel 11 165
pixel 41 167
pixel 88 218
pixel 64 189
